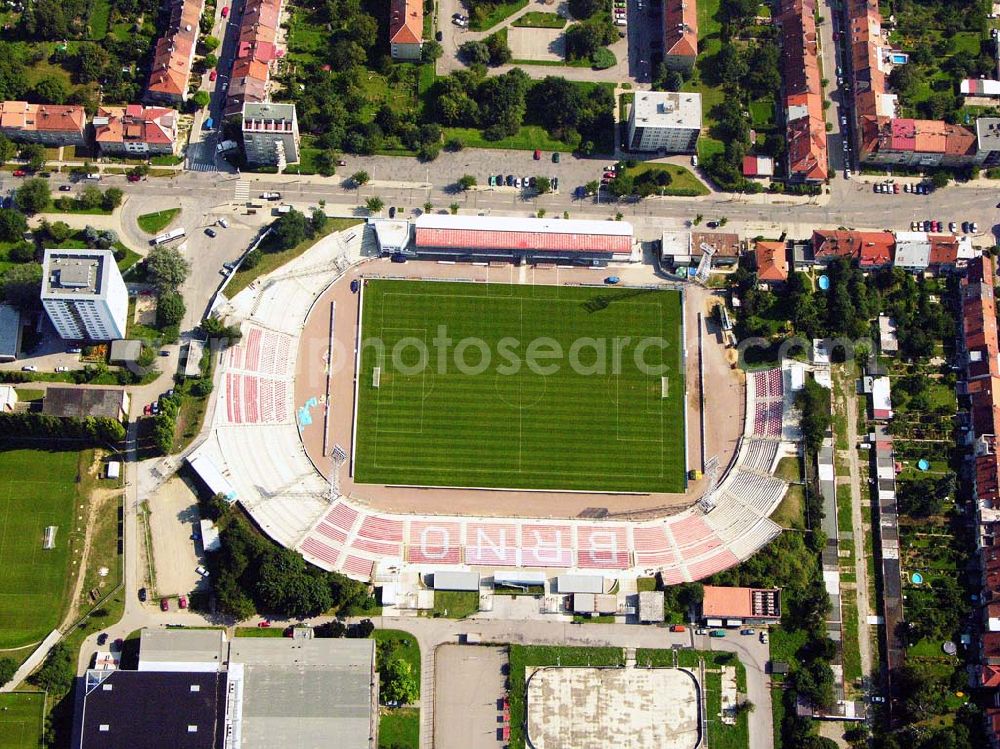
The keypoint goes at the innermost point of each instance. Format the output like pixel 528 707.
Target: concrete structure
pixel 651 606
pixel 256 49
pixel 686 248
pixel 456 580
pixel 84 294
pixel 664 121
pixel 595 708
pixel 741 605
pixel 192 363
pixel 10 332
pixel 580 584
pixel 888 343
pixel 805 124
pixel 48 124
pixel 174 54
pixel 406 29
pixel 135 130
pixel 125 352
pixel 270 133
pixel 182 650
pixel 533 240
pixel 80 402
pixel 680 34
pixel 913 251
pixel 988 139
pixel 392 235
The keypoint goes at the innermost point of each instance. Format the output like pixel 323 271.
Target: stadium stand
pixel 254 442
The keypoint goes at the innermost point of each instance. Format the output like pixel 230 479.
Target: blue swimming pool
pixel 917 578
pixel 824 282
pixel 899 58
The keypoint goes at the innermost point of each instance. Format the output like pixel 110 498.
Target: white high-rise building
pixel 664 121
pixel 84 294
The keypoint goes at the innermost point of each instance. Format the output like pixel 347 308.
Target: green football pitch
pixel 21 716
pixel 38 490
pixel 586 420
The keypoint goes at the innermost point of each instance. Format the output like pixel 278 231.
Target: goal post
pixel 664 387
pixel 376 376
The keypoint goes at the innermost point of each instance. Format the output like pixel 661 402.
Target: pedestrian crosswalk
pixel 200 166
pixel 242 191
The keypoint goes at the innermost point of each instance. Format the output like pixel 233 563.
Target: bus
pixel 168 236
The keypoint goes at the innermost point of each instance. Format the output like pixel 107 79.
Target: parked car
pixel 492 181
pixel 29 368
pixel 62 369
pixel 694 160
pixel 439 36
pixel 973 228
pixel 763 637
pixel 914 226
pixel 182 602
pixel 612 280
pixel 952 227
pixel 555 157
pixel 398 258
pixel 965 227
pixel 712 224
pixel 65 188
pixel 19 173
pixel 895 188
pixel 264 624
pixel 532 182
pixel 554 183
pixel 355 286
pixel 747 631
pixel 510 180
pixel 154 408
pixel 270 196
pixel 225 11
pixel 677 628
pixel 142 594
pixel 700 631
pixel 210 232
pixel 717 633
pixel 147 410
pixel 392 211
pixel 200 569
pixel 538 155
pixel 133 178
pixel 102 638
pixel 164 604
pixel 224 223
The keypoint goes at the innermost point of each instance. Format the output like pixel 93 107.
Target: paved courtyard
pixel 469 682
pixel 536 44
pixel 594 708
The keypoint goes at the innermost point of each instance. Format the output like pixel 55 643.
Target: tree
pixel 112 198
pixel 814 401
pixel 252 260
pixel 201 99
pixel 57 231
pixel 584 39
pixel 91 197
pixel 318 220
pixel 91 60
pixel 543 185
pixel 360 178
pixel 33 196
pixel 939 178
pixel 170 309
pixel 210 61
pixel 474 53
pixel 51 90
pixel 584 9
pixel 466 181
pixel 210 43
pixel 500 53
pixel 592 187
pixel 8 667
pixel 399 683
pixel 7 149
pixel 166 268
pixel 13 224
pixel 57 673
pixel 374 204
pixel 431 51
pixel 290 229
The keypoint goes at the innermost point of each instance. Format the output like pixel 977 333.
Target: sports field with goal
pixel 38 491
pixel 21 720
pixel 521 387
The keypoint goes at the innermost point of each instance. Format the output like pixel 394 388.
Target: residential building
pixel 664 121
pixel 681 247
pixel 913 251
pixel 984 87
pixel 173 54
pixel 771 259
pixel 10 332
pixel 805 124
pixel 988 140
pixel 84 294
pixel 135 130
pixel 79 402
pixel 256 48
pixel 917 143
pixel 870 249
pixel 48 124
pixel 406 29
pixel 270 133
pixel 680 34
pixel 758 166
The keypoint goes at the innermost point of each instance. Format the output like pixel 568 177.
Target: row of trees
pixel 92 429
pixel 251 574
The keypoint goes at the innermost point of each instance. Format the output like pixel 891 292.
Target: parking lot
pixel 173 519
pixel 469 683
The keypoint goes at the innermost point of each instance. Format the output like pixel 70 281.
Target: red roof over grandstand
pixel 484 233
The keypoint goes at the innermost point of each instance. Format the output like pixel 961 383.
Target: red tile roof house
pixel 49 124
pixel 174 54
pixel 406 29
pixel 772 262
pixel 903 141
pixel 872 249
pixel 134 129
pixel 806 125
pixel 256 47
pixel 680 34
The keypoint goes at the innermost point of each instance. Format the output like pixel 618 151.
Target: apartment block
pixel 270 133
pixel 48 124
pixel 664 121
pixel 84 294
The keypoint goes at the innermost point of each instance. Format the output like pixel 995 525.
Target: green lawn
pixel 39 490
pixel 399 728
pixel 455 604
pixel 539 20
pixel 22 716
pixel 684 182
pixel 498 13
pixel 154 223
pixel 507 418
pixel 100 14
pixel 402 644
pixel 271 261
pixel 260 631
pixel 528 138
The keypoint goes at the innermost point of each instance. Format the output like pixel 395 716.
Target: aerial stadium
pixel 494 403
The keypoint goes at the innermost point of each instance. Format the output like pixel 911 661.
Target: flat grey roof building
pixel 84 401
pixel 10 332
pixel 305 693
pixel 456 580
pixel 667 109
pixel 182 649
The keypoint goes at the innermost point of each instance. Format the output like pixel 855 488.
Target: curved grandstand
pixel 255 454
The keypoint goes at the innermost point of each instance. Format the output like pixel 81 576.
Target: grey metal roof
pixel 456 580
pixel 10 331
pixel 160 646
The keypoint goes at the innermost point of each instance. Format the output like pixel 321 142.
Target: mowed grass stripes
pixel 587 419
pixel 38 490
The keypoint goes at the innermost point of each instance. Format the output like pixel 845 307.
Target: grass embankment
pixel 154 223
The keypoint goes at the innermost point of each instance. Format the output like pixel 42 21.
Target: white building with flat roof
pixel 84 294
pixel 270 133
pixel 666 121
